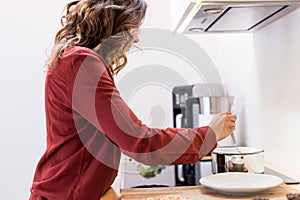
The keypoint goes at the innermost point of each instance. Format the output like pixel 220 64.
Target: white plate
pixel 239 183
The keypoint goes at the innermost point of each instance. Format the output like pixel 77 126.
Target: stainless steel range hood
pixel 213 16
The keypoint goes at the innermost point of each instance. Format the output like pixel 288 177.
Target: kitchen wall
pixel 277 53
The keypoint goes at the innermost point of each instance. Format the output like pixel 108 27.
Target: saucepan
pixel 243 159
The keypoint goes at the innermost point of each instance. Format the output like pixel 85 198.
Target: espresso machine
pixel 194 106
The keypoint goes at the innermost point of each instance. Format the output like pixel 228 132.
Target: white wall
pixel 277 52
pixel 233 57
pixel 27 31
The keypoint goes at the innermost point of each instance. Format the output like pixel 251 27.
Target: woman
pixel 88 123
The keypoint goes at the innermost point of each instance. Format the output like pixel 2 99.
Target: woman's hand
pixel 223 125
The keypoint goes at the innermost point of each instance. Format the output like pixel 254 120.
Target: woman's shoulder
pixel 77 55
pixel 79 51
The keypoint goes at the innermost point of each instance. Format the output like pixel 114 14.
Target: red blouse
pixel 89 125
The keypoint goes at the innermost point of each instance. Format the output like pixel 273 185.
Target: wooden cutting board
pixel 203 193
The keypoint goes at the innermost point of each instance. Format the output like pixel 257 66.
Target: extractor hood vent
pixel 213 16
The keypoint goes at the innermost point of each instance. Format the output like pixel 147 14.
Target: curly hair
pixel 104 25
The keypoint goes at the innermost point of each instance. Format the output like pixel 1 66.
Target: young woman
pixel 88 123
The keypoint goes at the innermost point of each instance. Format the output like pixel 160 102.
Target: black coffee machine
pixel 185 175
pixel 184 97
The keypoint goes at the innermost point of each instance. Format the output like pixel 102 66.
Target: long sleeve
pixel 96 99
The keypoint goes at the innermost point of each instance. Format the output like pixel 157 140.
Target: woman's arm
pixel 95 98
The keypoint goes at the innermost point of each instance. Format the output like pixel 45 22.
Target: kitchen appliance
pixel 194 106
pixel 212 16
pixel 183 98
pixel 228 159
pixel 207 108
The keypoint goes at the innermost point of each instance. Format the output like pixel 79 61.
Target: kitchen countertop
pixel 204 193
pixel 286 179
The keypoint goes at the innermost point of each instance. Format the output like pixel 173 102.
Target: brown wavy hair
pixel 103 25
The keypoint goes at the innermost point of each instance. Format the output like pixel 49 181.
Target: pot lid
pixel 233 150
